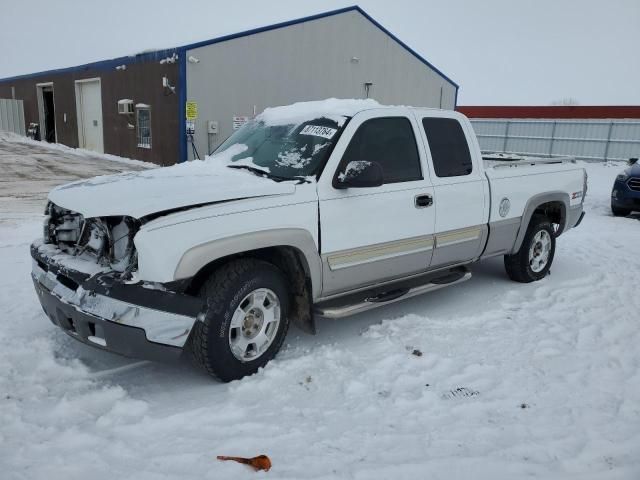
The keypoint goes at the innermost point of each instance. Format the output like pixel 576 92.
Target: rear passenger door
pixel 369 235
pixel 461 188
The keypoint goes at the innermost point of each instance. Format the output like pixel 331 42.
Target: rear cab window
pixel 449 147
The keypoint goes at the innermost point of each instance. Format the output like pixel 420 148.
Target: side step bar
pixel 335 310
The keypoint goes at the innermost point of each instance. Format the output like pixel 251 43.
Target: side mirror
pixel 360 174
pixel 633 161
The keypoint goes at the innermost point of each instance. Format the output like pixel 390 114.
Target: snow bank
pixel 80 152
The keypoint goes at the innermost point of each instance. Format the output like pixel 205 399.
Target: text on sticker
pixel 318 131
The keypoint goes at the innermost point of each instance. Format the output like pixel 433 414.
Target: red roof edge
pixel 614 111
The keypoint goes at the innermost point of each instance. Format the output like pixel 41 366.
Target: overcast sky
pixel 502 52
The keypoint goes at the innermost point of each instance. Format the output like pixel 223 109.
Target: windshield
pixel 288 151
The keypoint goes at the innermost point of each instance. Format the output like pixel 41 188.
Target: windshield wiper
pixel 264 173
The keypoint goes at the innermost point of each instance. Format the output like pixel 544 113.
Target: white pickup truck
pixel 316 209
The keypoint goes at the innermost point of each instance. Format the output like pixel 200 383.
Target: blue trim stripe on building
pixel 110 64
pixel 405 46
pixel 159 54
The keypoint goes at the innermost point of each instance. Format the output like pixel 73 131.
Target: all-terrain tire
pixel 519 265
pixel 223 291
pixel 620 212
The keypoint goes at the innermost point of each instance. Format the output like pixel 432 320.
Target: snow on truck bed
pixel 539 380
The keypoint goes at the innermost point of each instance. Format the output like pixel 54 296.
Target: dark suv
pixel 625 196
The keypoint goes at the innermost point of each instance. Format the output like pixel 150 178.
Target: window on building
pixel 143 120
pixel 391 143
pixel 449 147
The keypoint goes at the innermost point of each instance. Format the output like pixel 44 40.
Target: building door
pixel 46 112
pixel 89 110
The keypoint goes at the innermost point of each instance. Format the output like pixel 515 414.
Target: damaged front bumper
pixel 134 320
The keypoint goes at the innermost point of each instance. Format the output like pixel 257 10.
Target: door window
pixel 391 143
pixel 449 147
pixel 144 126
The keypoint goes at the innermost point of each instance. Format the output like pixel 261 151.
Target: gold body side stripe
pixel 454 237
pixel 381 251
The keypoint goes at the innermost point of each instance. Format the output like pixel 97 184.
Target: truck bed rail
pixel 497 160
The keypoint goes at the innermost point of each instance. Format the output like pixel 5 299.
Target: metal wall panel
pixel 307 61
pixel 597 139
pixel 531 128
pixel 491 127
pixel 12 116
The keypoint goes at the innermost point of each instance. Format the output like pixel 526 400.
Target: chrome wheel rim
pixel 540 251
pixel 254 324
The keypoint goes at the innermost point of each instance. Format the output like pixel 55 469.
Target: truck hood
pixel 138 194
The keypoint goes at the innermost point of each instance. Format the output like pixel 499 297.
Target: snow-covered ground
pixel 514 381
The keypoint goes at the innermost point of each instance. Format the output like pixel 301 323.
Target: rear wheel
pixel 535 256
pixel 246 319
pixel 620 212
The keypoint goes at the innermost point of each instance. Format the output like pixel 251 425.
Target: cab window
pixel 391 143
pixel 449 147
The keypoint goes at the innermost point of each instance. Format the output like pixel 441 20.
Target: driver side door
pixel 374 234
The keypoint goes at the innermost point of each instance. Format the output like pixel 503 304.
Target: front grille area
pixel 634 184
pixel 106 241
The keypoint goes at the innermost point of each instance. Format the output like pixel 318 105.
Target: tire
pixel 535 256
pixel 620 212
pixel 240 285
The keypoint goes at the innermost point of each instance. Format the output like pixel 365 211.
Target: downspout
pixel 182 101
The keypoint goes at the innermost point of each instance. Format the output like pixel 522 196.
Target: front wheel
pixel 533 260
pixel 246 319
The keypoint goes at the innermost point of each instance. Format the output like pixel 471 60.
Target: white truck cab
pixel 315 209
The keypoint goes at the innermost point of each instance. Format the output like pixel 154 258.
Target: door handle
pixel 423 201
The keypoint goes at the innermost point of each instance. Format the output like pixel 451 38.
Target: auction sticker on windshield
pixel 318 131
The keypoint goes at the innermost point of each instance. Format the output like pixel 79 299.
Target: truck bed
pixel 518 179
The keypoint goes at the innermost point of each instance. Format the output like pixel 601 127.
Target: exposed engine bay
pixel 107 241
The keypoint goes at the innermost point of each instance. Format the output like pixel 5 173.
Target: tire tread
pixel 517 264
pixel 211 290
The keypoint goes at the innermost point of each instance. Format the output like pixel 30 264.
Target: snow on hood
pixel 137 194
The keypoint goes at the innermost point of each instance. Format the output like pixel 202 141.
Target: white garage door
pixel 89 109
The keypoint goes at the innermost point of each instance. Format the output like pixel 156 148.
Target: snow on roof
pixel 333 108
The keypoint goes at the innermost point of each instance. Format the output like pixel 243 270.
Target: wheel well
pixel 295 268
pixel 555 212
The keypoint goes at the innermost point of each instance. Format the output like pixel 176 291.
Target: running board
pixel 371 302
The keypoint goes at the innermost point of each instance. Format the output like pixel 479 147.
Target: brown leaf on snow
pixel 261 462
